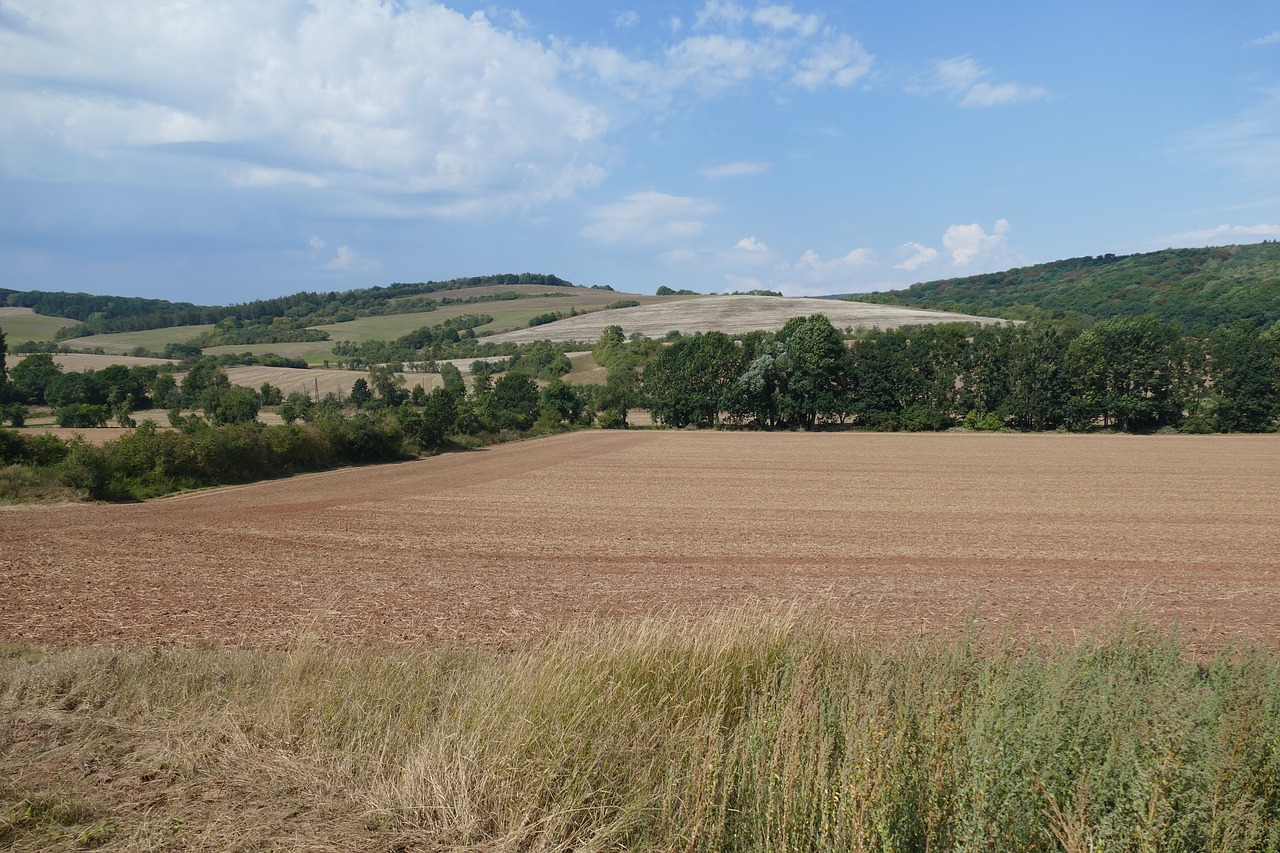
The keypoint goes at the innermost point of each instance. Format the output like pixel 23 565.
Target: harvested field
pixel 897 532
pixel 80 362
pixel 733 315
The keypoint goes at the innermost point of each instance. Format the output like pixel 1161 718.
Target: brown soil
pixel 899 532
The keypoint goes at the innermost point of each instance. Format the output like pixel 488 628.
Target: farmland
pixel 1051 533
pixel 660 640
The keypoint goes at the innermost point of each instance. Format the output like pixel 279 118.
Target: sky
pixel 219 151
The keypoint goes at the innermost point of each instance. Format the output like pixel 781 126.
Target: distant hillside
pixel 732 315
pixel 99 315
pixel 1202 288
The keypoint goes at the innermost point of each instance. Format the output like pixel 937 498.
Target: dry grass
pixel 733 315
pixel 746 732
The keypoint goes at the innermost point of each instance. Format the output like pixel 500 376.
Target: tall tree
pixel 1128 372
pixel 819 372
pixel 1244 379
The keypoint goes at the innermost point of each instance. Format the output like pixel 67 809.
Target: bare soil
pixel 894 532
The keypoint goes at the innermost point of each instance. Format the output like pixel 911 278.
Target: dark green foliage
pixel 663 290
pixel 1244 371
pixel 1200 288
pixel 513 403
pixel 203 378
pixel 565 401
pixel 543 360
pixel 360 393
pixel 818 372
pixel 1130 373
pixel 82 416
pixel 32 375
pixel 687 383
pixel 147 462
pixel 233 404
pixel 295 407
pixel 1136 374
pixel 270 395
pixel 267 330
pixel 451 376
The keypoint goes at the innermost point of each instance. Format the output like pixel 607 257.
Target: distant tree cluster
pixel 1131 374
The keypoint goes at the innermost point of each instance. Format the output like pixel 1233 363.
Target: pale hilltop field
pixel 733 315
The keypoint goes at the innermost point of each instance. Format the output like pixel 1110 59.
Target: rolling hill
pixel 732 315
pixel 1201 288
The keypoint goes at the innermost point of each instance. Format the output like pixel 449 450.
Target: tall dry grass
pixel 739 733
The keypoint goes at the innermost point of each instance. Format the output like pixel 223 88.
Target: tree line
pixel 1134 374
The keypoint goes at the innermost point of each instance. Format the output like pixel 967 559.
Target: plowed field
pixel 895 532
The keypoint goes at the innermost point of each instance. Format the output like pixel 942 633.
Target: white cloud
pixel 968 83
pixel 967 243
pixel 649 218
pixel 785 19
pixel 730 46
pixel 1223 233
pixel 811 260
pixel 359 97
pixel 916 256
pixel 839 62
pixel 737 168
pixel 347 259
pixel 626 20
pixel 751 244
pixel 1272 38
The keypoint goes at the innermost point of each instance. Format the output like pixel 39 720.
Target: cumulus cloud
pixel 915 256
pixel 649 218
pixel 811 260
pixel 967 243
pixel 416 102
pixel 751 244
pixel 1272 38
pixel 729 45
pixel 969 84
pixel 347 259
pixel 626 20
pixel 736 169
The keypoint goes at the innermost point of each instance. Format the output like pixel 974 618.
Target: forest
pixel 1200 288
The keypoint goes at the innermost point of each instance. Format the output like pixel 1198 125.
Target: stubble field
pixel 900 533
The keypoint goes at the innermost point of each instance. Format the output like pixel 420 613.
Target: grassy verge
pixel 740 733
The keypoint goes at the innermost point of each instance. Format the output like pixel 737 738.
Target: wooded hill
pixel 1200 288
pixel 98 315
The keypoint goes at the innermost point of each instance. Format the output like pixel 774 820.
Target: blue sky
pixel 224 150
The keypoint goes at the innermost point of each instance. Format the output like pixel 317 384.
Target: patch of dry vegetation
pixel 747 732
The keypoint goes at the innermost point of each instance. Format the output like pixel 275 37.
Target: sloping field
pixel 733 315
pixel 78 362
pixel 153 340
pixel 290 379
pixel 22 324
pixel 888 531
